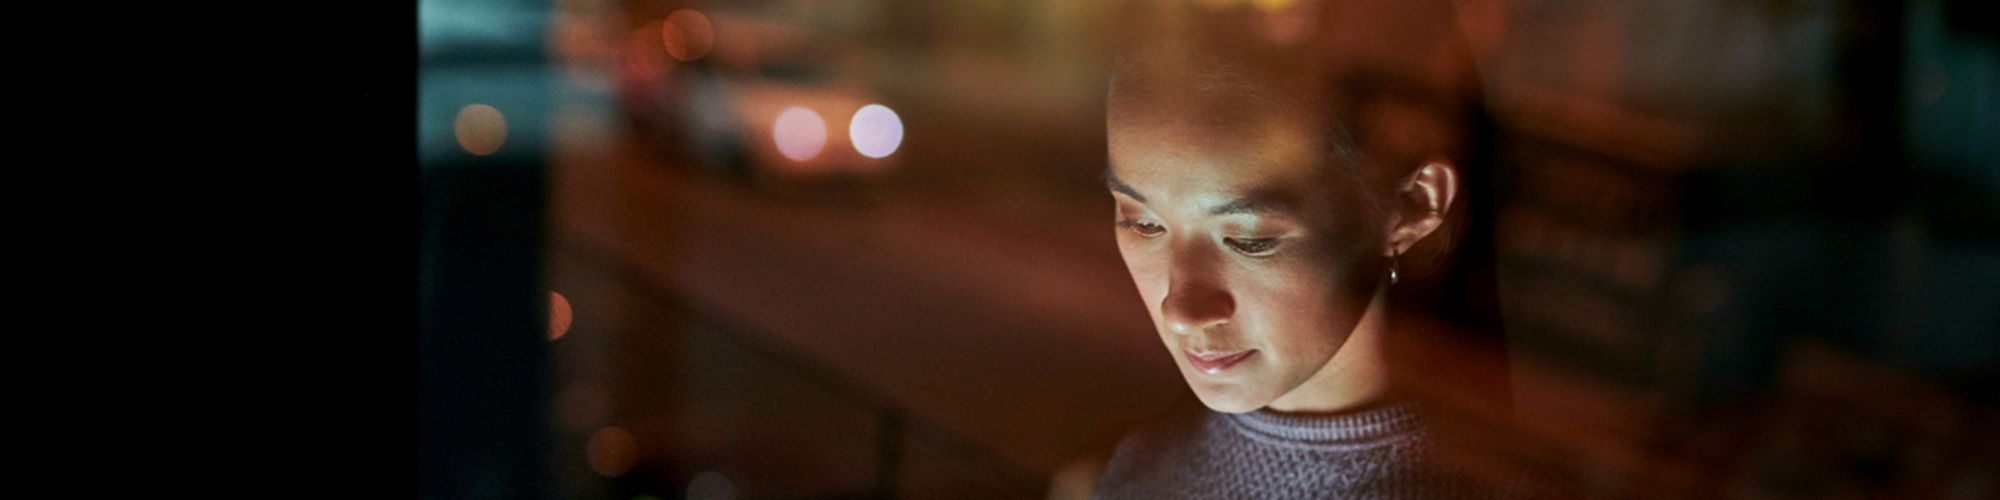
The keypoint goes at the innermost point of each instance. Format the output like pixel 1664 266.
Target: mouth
pixel 1215 362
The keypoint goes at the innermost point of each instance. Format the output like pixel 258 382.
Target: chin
pixel 1228 400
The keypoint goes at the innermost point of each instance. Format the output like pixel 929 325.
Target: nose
pixel 1196 296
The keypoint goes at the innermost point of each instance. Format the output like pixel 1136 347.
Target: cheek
pixel 1301 311
pixel 1146 275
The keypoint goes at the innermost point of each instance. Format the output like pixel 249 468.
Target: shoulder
pixel 1159 445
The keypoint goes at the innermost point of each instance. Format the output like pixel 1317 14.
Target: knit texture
pixel 1371 453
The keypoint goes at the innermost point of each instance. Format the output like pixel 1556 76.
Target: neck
pixel 1356 376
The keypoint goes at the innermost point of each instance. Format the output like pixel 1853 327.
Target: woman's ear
pixel 1423 198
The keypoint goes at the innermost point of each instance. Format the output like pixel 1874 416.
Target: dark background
pixel 1746 249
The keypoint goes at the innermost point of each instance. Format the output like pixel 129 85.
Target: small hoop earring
pixel 1392 266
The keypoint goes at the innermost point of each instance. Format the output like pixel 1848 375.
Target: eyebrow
pixel 1262 202
pixel 1256 204
pixel 1112 182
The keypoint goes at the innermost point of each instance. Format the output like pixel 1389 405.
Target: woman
pixel 1303 217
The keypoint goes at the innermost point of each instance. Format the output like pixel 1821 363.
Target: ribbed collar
pixel 1359 427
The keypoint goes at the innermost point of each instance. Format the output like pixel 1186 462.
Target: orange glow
pixel 480 129
pixel 576 40
pixel 688 34
pixel 1218 4
pixel 800 133
pixel 1283 23
pixel 1274 5
pixel 642 55
pixel 559 316
pixel 612 451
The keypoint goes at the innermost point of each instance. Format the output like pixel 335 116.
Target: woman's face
pixel 1253 270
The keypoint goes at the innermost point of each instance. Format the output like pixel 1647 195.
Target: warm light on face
pixel 481 130
pixel 876 131
pixel 687 35
pixel 1240 260
pixel 800 133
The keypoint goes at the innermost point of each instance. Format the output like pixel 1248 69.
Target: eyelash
pixel 1256 248
pixel 1252 247
pixel 1138 228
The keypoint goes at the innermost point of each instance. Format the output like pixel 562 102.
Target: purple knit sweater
pixel 1371 453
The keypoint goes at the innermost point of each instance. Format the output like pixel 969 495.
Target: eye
pixel 1253 247
pixel 1147 229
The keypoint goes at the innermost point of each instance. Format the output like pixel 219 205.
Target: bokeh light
pixel 612 451
pixel 642 54
pixel 800 133
pixel 876 131
pixel 559 315
pixel 687 34
pixel 711 485
pixel 1286 22
pixel 577 42
pixel 480 129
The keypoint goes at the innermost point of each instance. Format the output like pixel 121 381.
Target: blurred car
pixel 767 101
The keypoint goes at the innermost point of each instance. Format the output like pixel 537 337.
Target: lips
pixel 1214 363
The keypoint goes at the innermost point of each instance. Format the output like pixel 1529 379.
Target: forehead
pixel 1218 145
